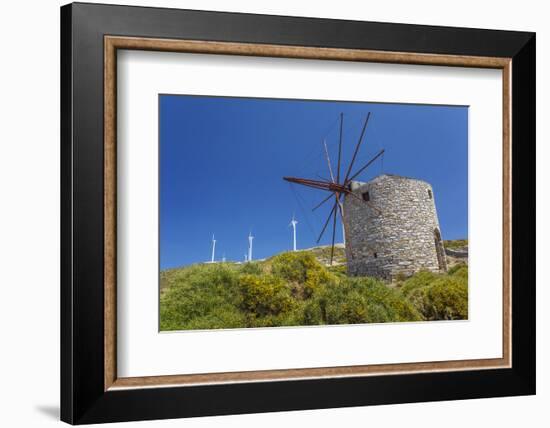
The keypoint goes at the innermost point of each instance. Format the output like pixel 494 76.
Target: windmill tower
pixel 399 239
pixel 293 223
pixel 213 249
pixel 250 238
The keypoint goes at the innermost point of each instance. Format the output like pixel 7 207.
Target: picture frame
pixel 91 390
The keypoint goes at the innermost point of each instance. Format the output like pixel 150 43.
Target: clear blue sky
pixel 222 161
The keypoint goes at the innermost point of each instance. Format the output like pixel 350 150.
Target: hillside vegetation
pixel 456 244
pixel 296 288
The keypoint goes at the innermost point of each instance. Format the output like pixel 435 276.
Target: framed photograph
pixel 266 213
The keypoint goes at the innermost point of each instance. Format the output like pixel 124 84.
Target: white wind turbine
pixel 250 238
pixel 213 248
pixel 293 223
pixel 343 227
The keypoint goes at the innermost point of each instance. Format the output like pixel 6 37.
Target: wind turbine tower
pixel 250 238
pixel 213 248
pixel 293 223
pixel 343 226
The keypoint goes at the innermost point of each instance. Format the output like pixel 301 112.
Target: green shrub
pixel 292 317
pixel 439 297
pixel 419 279
pixel 294 266
pixel 359 300
pixel 264 295
pixel 255 268
pixel 459 270
pixel 224 317
pixel 302 270
pixel 338 269
pixel 400 278
pixel 203 292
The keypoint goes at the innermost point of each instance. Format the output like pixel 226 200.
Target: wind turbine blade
pixel 380 153
pixel 322 202
pixel 340 207
pixel 340 148
pixel 333 233
pixel 333 211
pixel 347 241
pixel 328 161
pixel 357 147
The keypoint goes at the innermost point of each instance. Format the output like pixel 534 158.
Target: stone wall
pixel 395 232
pixel 461 253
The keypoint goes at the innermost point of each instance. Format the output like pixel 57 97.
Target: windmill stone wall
pixel 393 229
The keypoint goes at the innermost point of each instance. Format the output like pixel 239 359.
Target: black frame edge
pixel 524 213
pixel 66 316
pixel 303 31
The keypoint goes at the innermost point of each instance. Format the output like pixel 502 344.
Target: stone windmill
pixel 390 223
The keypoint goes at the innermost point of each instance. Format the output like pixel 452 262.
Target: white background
pixel 29 219
pixel 142 351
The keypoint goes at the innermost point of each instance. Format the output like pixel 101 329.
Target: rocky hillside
pixel 322 254
pixel 456 252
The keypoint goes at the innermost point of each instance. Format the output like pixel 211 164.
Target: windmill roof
pixel 386 175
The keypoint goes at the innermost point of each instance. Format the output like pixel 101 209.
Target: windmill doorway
pixel 440 251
